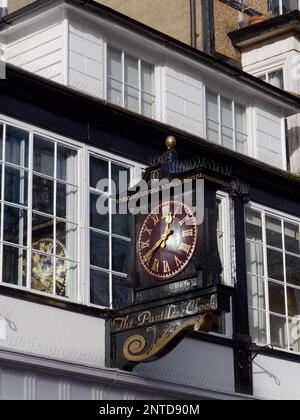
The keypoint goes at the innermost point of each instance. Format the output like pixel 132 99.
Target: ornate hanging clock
pixel 167 240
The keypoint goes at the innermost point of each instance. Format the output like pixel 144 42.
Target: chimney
pixel 3 8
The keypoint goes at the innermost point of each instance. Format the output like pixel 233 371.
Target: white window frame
pixel 267 211
pixel 281 7
pixel 136 170
pixel 64 141
pixel 234 100
pixel 141 57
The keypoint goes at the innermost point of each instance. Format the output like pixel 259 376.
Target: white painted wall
pixel 86 56
pixel 183 94
pixel 50 332
pixel 38 47
pixel 194 363
pixel 276 379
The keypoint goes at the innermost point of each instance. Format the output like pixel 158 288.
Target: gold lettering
pixel 185 248
pixel 155 219
pixel 149 231
pixel 187 233
pixel 177 261
pixel 145 244
pixel 183 221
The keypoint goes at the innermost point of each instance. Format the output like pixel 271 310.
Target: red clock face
pixel 167 240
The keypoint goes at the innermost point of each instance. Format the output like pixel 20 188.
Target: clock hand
pixel 169 221
pixel 163 239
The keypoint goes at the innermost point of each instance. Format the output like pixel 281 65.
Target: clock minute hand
pixel 162 240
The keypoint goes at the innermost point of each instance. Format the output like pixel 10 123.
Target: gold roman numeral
pixel 185 248
pixel 149 231
pixel 187 233
pixel 145 245
pixel 155 219
pixel 155 266
pixel 167 268
pixel 177 261
pixel 183 221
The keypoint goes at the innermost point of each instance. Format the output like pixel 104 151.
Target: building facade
pixel 90 93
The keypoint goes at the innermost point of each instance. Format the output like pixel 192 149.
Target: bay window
pixel 274 77
pixel 130 82
pixel 39 217
pixel 273 265
pixel 226 122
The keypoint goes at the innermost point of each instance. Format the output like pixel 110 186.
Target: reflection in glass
pixel 43 194
pixel 99 250
pixel 258 327
pixel 17 145
pixel 66 202
pixel 66 279
pixel 292 238
pixel 98 221
pixel 120 225
pixel 256 292
pixel 99 288
pixel 16 186
pixel 293 297
pixel 294 331
pixel 42 233
pixel 66 240
pixel 42 273
pixel 43 156
pixel 276 298
pixel 253 225
pixel 120 291
pixel 275 265
pixel 1 142
pixel 292 270
pixel 120 176
pixel 14 266
pixel 278 332
pixel 98 171
pixel 67 168
pixel 15 225
pixel 274 232
pixel 120 252
pixel 254 255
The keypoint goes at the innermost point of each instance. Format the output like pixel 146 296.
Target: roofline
pixel 264 30
pixel 284 98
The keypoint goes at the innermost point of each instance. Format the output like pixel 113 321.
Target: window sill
pixel 47 300
pixel 279 354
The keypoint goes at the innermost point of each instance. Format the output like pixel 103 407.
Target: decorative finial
pixel 171 142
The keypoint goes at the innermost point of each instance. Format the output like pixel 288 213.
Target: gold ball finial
pixel 171 142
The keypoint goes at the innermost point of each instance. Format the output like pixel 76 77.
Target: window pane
pixel 275 265
pixel 293 296
pixel 253 225
pixel 42 273
pixel 1 142
pixel 294 330
pixel 43 156
pixel 131 71
pixel 17 144
pixel 289 5
pixel 276 79
pixel 212 109
pixel 292 270
pixel 120 291
pixel 98 171
pixel 98 221
pixel 42 233
pixel 43 194
pixel 120 225
pixel 148 105
pixel 278 332
pixel 120 252
pixel 66 240
pixel 67 202
pixel 274 232
pixel 67 168
pixel 276 298
pixel 66 279
pixel 256 292
pixel 99 250
pixel 227 138
pixel 14 266
pixel 16 186
pixel 226 112
pixel 114 63
pixel 114 92
pixel 241 143
pixel 254 255
pixel 240 118
pixel 99 288
pixel 147 75
pixel 212 131
pixel 258 327
pixel 120 176
pixel 131 99
pixel 15 226
pixel 291 238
